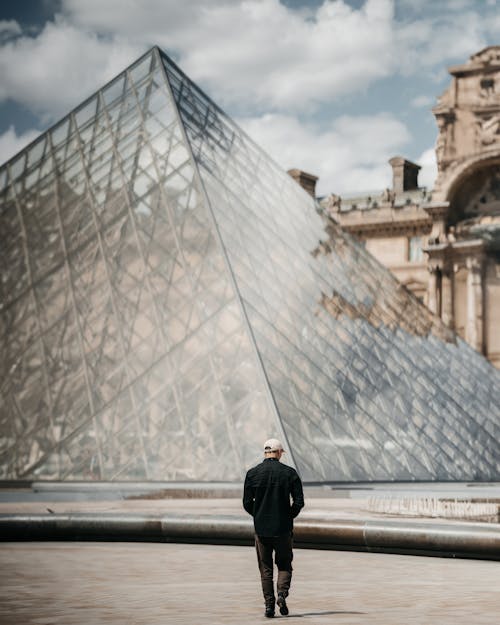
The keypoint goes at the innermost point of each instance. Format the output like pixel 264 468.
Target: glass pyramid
pixel 170 298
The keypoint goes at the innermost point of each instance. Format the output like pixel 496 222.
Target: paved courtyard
pixel 160 583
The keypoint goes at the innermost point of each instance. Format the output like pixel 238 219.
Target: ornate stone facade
pixel 444 245
pixel 392 224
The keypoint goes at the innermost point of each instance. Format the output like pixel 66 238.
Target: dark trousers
pixel 283 556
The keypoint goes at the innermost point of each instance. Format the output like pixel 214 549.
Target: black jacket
pixel 266 496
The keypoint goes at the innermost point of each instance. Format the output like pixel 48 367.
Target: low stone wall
pixel 453 540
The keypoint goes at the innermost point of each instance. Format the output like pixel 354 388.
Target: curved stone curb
pixel 443 539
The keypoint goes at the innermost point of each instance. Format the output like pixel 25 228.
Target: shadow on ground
pixel 322 613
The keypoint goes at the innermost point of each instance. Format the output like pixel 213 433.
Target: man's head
pixel 273 448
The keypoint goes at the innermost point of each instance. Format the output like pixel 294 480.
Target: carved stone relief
pixel 468 118
pixel 489 129
pixel 487 56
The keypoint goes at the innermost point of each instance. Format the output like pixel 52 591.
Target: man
pixel 266 496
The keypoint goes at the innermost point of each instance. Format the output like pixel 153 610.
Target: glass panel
pixel 144 329
pixel 143 67
pixel 17 166
pixel 60 133
pixel 114 90
pixel 36 152
pixel 127 336
pixel 86 113
pixel 363 366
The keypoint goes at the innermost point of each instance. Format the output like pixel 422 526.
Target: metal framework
pixel 170 297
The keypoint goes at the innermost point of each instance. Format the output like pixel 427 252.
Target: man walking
pixel 266 496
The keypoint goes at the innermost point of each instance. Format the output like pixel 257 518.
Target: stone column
pixel 475 322
pixel 432 290
pixel 447 297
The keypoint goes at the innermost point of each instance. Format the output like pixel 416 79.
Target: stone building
pixel 444 244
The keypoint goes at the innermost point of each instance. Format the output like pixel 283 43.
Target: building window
pixel 415 253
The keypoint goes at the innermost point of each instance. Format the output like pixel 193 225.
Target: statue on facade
pixel 388 196
pixel 333 203
pixel 440 144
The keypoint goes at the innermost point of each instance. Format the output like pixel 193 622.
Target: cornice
pixel 436 210
pixel 389 228
pixel 389 220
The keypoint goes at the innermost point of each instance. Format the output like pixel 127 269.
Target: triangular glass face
pixel 126 354
pixel 368 384
pixel 173 298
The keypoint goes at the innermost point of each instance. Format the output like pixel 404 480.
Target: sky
pixel 333 87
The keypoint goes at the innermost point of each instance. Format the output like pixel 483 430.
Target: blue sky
pixel 335 87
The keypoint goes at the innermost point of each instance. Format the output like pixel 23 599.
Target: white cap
pixel 273 444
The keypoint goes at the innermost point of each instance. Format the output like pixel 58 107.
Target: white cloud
pixel 8 30
pixel 276 59
pixel 493 26
pixel 257 52
pixel 434 40
pixel 348 156
pixel 53 71
pixel 252 55
pixel 263 51
pixel 427 175
pixel 136 19
pixel 422 101
pixel 11 143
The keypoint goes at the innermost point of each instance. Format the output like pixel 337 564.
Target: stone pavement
pixel 153 584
